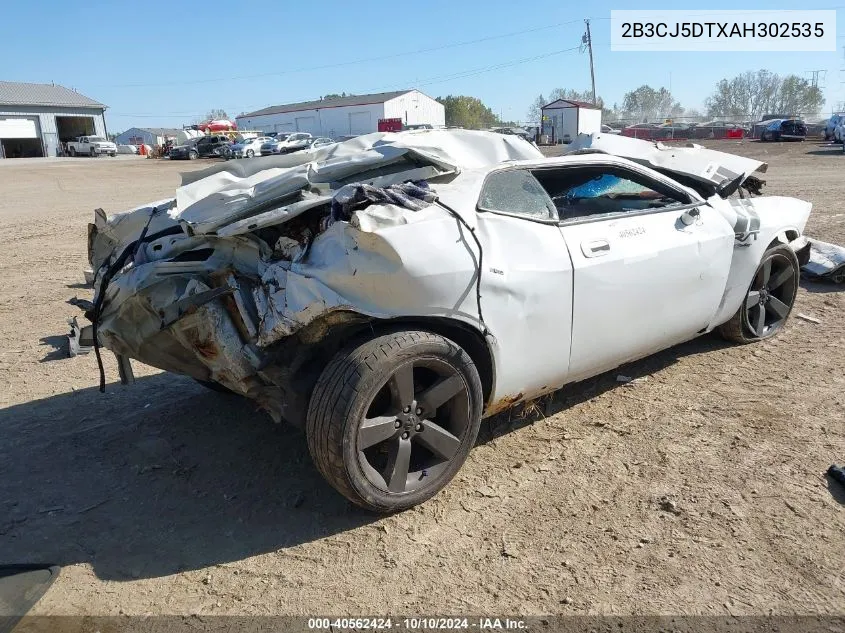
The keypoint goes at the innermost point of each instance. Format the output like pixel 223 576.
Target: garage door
pixel 359 123
pixel 306 124
pixel 17 128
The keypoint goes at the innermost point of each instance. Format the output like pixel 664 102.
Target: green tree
pixel 534 110
pixel 645 103
pixel 467 112
pixel 753 94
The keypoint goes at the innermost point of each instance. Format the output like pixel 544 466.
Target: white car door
pixel 526 284
pixel 644 279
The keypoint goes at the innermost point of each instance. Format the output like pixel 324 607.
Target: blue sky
pixel 161 63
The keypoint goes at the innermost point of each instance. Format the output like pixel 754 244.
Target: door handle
pixel 595 248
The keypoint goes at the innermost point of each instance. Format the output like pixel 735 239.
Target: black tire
pixel 365 381
pixel 216 386
pixel 250 153
pixel 113 154
pixel 72 152
pixel 763 136
pixel 776 137
pixel 745 326
pixel 192 155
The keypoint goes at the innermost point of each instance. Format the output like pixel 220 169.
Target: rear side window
pixel 515 192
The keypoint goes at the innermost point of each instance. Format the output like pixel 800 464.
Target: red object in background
pixel 221 125
pixel 736 133
pixel 390 125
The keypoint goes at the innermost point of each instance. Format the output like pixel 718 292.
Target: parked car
pixel 273 145
pixel 91 146
pixel 247 148
pixel 321 141
pixel 609 130
pixel 832 123
pixel 784 130
pixel 320 299
pixel 202 147
pixel 641 130
pixel 839 131
pixel 295 142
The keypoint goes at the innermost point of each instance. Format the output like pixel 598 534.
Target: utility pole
pixel 815 75
pixel 588 40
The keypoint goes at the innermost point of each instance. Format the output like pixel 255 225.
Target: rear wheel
pixel 192 155
pixel 763 135
pixel 72 152
pixel 769 299
pixel 392 420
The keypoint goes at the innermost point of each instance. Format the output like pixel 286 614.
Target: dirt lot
pixel 700 490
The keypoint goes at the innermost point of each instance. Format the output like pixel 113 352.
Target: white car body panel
pixel 556 306
pixel 642 284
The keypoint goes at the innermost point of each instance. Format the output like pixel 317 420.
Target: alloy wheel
pixel 414 426
pixel 771 295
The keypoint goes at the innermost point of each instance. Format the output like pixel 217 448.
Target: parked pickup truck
pixel 91 146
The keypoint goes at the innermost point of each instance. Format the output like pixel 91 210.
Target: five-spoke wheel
pixel 769 299
pixel 392 420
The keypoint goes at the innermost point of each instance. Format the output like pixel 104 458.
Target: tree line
pixel 749 95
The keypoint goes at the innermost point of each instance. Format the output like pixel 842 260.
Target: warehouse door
pixel 19 138
pixel 306 124
pixel 360 123
pixel 69 127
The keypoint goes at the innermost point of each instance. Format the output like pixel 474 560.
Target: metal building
pixel 151 136
pixel 565 119
pixel 36 118
pixel 343 116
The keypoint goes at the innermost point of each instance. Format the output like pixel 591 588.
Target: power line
pixel 424 82
pixel 341 64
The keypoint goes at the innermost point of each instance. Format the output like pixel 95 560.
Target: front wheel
pixel 393 419
pixel 93 153
pixel 250 153
pixel 192 155
pixel 769 299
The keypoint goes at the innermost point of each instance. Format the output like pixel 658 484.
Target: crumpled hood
pixel 228 198
pixel 704 165
pixel 225 193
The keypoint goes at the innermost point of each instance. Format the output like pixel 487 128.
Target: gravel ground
pixel 700 490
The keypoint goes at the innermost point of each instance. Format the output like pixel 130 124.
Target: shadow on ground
pixel 825 151
pixel 821 287
pixel 58 347
pixel 576 393
pixel 165 476
pixel 155 478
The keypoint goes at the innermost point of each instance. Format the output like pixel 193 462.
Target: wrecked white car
pixel 389 291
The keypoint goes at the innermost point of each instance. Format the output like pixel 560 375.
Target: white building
pixel 344 116
pixel 151 136
pixel 565 119
pixel 36 118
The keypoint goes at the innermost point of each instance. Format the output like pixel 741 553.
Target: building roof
pixel 23 94
pixel 157 131
pixel 352 100
pixel 571 103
